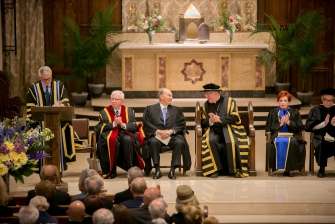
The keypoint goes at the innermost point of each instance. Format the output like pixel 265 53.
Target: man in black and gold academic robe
pixel 163 122
pixel 321 121
pixel 48 92
pixel 224 142
pixel 118 138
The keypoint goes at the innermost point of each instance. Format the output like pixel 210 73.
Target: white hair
pixel 103 216
pixel 94 184
pixel 40 203
pixel 28 215
pixel 118 92
pixel 157 208
pixel 44 70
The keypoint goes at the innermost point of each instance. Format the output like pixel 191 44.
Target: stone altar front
pixel 185 68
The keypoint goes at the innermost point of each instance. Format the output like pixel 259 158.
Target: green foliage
pixel 86 56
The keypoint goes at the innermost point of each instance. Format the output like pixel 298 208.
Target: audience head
pixel 212 92
pixel 134 172
pixel 50 172
pixel 94 184
pixel 185 195
pixel 165 96
pixel 117 98
pixel 28 215
pixel 210 220
pixel 158 208
pixel 103 216
pixel 46 189
pixel 138 186
pixel 192 214
pixel 151 194
pixel 327 97
pixel 76 211
pixel 4 197
pixel 40 203
pixel 92 203
pixel 84 174
pixel 121 214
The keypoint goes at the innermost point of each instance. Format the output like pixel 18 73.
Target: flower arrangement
pixel 227 23
pixel 20 148
pixel 150 22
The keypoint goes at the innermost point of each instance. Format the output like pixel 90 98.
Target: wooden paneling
pixel 286 12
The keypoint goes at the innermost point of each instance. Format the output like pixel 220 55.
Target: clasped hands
pixel 327 120
pixel 213 118
pixel 285 119
pixel 118 121
pixel 164 134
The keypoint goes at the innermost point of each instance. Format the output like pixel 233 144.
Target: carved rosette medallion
pixel 193 71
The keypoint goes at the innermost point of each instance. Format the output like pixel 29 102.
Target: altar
pixel 185 68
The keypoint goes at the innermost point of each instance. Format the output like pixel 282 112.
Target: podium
pixel 52 116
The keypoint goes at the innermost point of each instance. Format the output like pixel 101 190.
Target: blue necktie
pixel 47 96
pixel 164 115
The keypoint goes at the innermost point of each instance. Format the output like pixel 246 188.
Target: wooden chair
pixel 267 164
pixel 81 128
pixel 247 120
pixel 10 107
pixel 311 153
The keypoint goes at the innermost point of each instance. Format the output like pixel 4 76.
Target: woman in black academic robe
pixel 285 152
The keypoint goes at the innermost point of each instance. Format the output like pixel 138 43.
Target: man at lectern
pixel 225 145
pixel 48 92
pixel 118 138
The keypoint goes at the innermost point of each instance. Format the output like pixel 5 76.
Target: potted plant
pixel 101 27
pixel 303 50
pixel 281 36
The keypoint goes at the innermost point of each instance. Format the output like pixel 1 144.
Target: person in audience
pixel 126 194
pixel 321 121
pixel 81 184
pixel 103 216
pixel 51 173
pixel 46 189
pixel 92 203
pixel 42 206
pixel 94 186
pixel 185 195
pixel 137 187
pixel 192 214
pixel 118 143
pixel 157 210
pixel 5 200
pixel 76 212
pixel 225 148
pixel 121 214
pixel 47 92
pixel 210 220
pixel 163 122
pixel 28 215
pixel 285 152
pixel 141 215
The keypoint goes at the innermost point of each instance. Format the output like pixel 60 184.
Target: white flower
pixel 159 17
pixel 145 26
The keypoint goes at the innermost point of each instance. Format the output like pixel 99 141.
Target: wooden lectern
pixel 52 116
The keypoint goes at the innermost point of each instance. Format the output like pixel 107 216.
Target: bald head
pixel 151 194
pixel 76 211
pixel 49 172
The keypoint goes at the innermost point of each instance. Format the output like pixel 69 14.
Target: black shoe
pixel 321 174
pixel 292 174
pixel 286 174
pixel 157 175
pixel 215 175
pixel 171 175
pixel 112 175
pixel 237 175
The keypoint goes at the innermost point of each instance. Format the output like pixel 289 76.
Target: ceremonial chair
pixel 267 164
pixel 11 107
pixel 81 129
pixel 247 120
pixel 311 153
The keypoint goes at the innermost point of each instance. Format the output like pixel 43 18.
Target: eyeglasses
pixel 46 80
pixel 208 93
pixel 114 99
pixel 328 101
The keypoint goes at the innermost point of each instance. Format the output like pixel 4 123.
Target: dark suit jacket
pixel 56 210
pixel 62 198
pixel 134 203
pixel 141 215
pixel 122 196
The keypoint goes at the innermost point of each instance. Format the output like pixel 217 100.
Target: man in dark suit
pixel 126 194
pixel 137 188
pixel 51 173
pixel 141 215
pixel 163 122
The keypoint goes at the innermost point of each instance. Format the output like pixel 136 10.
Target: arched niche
pixel 193 16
